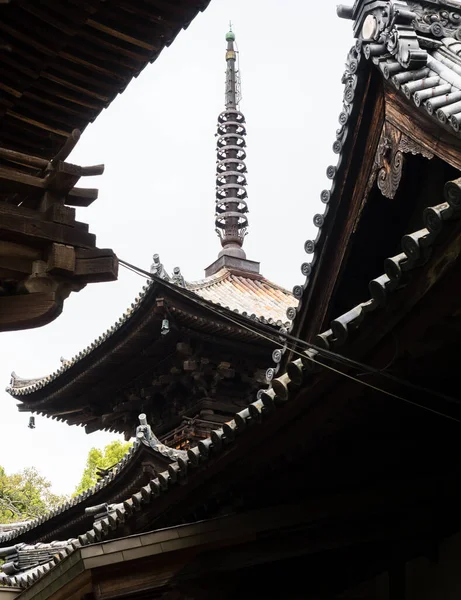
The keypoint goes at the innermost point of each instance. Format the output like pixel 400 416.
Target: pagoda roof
pixel 304 379
pixel 293 391
pixel 252 296
pixel 248 294
pixel 113 486
pixel 64 62
pixel 308 397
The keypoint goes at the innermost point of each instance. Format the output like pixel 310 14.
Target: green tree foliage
pixel 102 459
pixel 25 495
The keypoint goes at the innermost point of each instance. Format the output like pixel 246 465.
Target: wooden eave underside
pixel 362 468
pixel 380 103
pixel 136 348
pixel 341 433
pixel 66 61
pixel 335 439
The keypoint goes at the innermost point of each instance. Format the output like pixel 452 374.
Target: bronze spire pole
pixel 231 208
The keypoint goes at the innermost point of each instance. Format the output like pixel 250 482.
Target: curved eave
pixel 355 80
pixel 250 295
pixel 300 381
pixel 70 519
pixel 416 88
pixel 128 335
pixel 56 520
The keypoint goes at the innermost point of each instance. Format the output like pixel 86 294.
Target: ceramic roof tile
pixel 247 295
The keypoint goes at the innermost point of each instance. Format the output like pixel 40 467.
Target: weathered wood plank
pixel 12 180
pixel 14 226
pixel 35 123
pixel 120 35
pixel 82 196
pixel 104 268
pixel 24 159
pixel 28 311
pixel 61 260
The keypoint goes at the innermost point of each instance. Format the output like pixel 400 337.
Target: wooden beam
pixel 38 124
pixel 97 268
pixel 60 92
pixel 148 15
pixel 99 41
pixel 120 35
pixel 12 180
pixel 28 311
pixel 81 196
pixel 61 260
pixel 92 52
pixel 92 66
pixel 44 99
pixel 76 88
pixel 26 39
pixel 23 159
pixel 10 90
pixel 47 17
pixel 36 231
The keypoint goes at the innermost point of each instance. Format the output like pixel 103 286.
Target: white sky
pixel 157 193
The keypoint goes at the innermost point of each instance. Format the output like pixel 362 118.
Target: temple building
pixel 179 354
pixel 340 478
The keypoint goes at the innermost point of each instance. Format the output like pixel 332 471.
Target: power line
pixel 275 338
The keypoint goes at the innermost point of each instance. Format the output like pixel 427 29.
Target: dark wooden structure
pixel 184 353
pixel 172 355
pixel 64 62
pixel 61 63
pixel 342 480
pixel 45 254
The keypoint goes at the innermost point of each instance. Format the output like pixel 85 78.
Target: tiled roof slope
pixel 144 438
pixel 8 534
pixel 253 297
pixel 428 75
pixel 20 387
pixel 416 251
pixel 257 298
pixel 416 45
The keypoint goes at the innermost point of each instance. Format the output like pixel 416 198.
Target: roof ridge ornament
pixel 178 278
pixel 158 269
pixel 387 26
pixel 145 435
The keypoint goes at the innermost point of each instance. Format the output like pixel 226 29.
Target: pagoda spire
pixel 231 207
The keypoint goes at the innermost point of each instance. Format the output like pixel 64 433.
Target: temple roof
pixel 426 254
pixel 115 483
pixel 254 297
pixel 62 63
pixel 250 295
pixel 189 468
pixel 415 49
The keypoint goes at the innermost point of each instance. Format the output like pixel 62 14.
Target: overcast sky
pixel 157 193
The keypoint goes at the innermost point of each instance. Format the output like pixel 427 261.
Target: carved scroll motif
pixel 389 160
pixel 439 21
